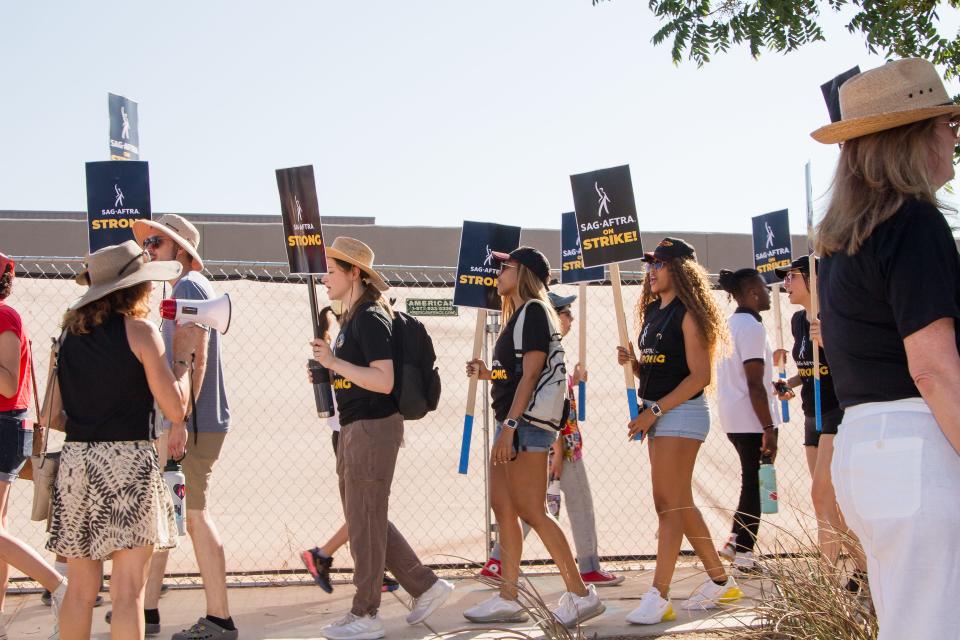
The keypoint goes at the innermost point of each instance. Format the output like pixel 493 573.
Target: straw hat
pixel 120 266
pixel 898 93
pixel 359 255
pixel 177 228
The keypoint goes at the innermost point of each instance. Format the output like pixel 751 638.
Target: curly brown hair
pixel 693 288
pixel 6 284
pixel 132 302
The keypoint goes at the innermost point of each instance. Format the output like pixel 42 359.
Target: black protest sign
pixel 831 92
pixel 302 234
pixel 771 244
pixel 571 262
pixel 124 128
pixel 118 193
pixel 477 271
pixel 606 216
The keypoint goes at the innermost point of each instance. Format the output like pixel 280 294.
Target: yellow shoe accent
pixel 669 615
pixel 730 595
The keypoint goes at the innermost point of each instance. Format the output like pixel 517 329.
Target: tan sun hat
pixel 120 266
pixel 359 255
pixel 898 93
pixel 178 228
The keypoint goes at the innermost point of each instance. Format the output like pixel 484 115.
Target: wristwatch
pixel 510 423
pixel 656 410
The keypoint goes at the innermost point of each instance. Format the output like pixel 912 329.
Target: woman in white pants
pixel 890 300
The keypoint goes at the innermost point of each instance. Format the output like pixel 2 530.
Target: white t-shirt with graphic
pixel 748 342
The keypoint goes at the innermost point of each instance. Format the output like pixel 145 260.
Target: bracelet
pixel 768 427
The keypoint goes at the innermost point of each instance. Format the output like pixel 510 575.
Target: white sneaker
pixel 745 561
pixel 574 609
pixel 709 594
pixel 56 601
pixel 653 609
pixel 496 609
pixel 353 627
pixel 729 550
pixel 431 600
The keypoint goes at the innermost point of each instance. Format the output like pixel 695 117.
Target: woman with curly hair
pixel 680 330
pixel 109 500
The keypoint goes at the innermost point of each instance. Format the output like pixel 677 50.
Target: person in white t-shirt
pixel 747 404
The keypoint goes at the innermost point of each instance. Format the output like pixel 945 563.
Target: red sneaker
pixel 601 578
pixel 491 569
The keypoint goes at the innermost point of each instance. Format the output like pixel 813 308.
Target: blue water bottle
pixel 769 500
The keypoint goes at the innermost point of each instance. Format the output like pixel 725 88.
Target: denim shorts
pixel 16 445
pixel 689 420
pixel 530 438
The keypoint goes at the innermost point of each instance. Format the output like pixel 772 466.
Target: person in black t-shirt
pixel 833 532
pixel 371 430
pixel 518 472
pixel 890 302
pixel 680 329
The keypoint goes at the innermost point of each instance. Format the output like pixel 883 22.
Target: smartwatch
pixel 510 423
pixel 655 408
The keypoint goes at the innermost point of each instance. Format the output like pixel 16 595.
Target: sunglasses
pixel 954 127
pixel 153 241
pixel 790 276
pixel 656 265
pixel 506 265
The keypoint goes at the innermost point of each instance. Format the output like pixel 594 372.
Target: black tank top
pixel 104 387
pixel 663 360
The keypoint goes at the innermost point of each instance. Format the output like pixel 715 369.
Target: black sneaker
pixel 318 567
pixel 857 582
pixel 389 584
pixel 206 629
pixel 149 629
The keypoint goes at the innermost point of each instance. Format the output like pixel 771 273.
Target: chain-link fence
pixel 274 490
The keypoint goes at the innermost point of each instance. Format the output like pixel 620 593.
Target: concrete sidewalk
pixel 278 613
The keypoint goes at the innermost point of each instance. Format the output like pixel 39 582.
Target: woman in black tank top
pixel 109 500
pixel 680 327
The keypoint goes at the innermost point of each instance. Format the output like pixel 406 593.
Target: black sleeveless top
pixel 803 356
pixel 663 362
pixel 104 387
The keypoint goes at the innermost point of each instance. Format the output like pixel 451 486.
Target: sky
pixel 414 112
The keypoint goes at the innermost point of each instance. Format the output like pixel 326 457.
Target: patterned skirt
pixel 109 496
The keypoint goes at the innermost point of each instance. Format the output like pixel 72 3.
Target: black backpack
pixel 416 379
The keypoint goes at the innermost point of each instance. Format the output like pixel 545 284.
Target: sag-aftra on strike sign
pixel 606 216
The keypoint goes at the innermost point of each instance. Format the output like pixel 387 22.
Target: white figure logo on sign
pixel 118 201
pixel 488 261
pixel 769 235
pixel 125 131
pixel 604 200
pixel 296 201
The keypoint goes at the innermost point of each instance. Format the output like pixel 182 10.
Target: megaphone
pixel 214 313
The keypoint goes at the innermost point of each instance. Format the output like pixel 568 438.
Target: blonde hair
pixel 131 302
pixel 529 286
pixel 876 174
pixel 368 293
pixel 693 289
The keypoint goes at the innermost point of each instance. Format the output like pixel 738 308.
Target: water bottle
pixel 769 501
pixel 322 393
pixel 176 485
pixel 553 498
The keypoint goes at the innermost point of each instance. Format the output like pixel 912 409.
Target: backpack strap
pixel 522 316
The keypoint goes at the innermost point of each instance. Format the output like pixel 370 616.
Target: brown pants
pixel 366 458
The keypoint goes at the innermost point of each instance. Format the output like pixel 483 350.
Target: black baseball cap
pixel 529 257
pixel 801 264
pixel 670 249
pixel 560 302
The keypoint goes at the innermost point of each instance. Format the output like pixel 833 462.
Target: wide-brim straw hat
pixel 358 254
pixel 177 228
pixel 898 93
pixel 120 266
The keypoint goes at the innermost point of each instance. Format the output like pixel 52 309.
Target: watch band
pixel 510 423
pixel 656 410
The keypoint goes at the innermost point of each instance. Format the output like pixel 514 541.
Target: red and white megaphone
pixel 214 313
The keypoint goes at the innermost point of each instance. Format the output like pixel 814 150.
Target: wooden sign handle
pixel 814 312
pixel 777 318
pixel 472 393
pixel 628 380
